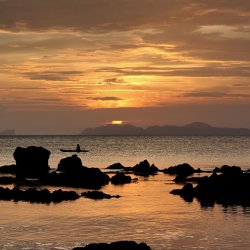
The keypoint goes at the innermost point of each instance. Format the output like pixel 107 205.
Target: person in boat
pixel 78 149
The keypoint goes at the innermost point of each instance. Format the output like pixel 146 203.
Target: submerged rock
pixel 31 162
pixel 98 195
pixel 120 178
pixel 119 245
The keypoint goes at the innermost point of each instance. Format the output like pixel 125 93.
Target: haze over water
pixel 146 212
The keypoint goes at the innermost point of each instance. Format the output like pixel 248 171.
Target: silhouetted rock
pixel 38 196
pixel 232 187
pixel 119 245
pixel 144 168
pixel 116 166
pixel 70 165
pixel 71 172
pixel 182 170
pixel 6 180
pixel 31 162
pixel 8 169
pixel 225 169
pixel 120 178
pixel 98 195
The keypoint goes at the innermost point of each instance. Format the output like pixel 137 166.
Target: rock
pixel 70 165
pixel 116 166
pixel 144 168
pixel 98 195
pixel 31 162
pixel 7 180
pixel 38 196
pixel 225 169
pixel 183 170
pixel 71 172
pixel 120 178
pixel 232 187
pixel 8 169
pixel 119 245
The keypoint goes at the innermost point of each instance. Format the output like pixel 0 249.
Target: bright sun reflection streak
pixel 117 122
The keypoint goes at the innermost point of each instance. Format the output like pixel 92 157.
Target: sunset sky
pixel 71 64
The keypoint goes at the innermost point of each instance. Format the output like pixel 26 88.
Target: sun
pixel 117 122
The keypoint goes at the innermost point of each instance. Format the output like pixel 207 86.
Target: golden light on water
pixel 117 122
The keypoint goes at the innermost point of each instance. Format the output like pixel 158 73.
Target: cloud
pixel 205 94
pixel 53 75
pixel 106 98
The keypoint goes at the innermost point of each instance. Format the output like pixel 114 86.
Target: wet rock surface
pixel 120 245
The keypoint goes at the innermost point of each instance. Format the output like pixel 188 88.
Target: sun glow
pixel 117 122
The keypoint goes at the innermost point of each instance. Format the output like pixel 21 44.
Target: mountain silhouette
pixel 195 128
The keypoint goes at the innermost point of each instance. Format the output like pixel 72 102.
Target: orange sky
pixel 70 64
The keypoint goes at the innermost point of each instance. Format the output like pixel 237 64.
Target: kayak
pixel 74 150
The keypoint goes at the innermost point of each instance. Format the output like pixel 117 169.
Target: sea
pixel 145 212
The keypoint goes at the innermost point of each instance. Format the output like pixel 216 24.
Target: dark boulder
pixel 71 172
pixel 116 166
pixel 31 162
pixel 70 165
pixel 144 168
pixel 120 178
pixel 98 195
pixel 7 180
pixel 229 170
pixel 119 245
pixel 8 169
pixel 183 170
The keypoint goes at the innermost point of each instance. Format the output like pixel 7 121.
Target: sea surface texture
pixel 146 211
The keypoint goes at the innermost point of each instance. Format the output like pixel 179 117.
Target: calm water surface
pixel 145 212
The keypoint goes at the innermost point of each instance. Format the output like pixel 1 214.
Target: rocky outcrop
pixel 37 196
pixel 31 162
pixel 98 195
pixel 71 172
pixel 116 166
pixel 119 245
pixel 182 170
pixel 7 180
pixel 120 178
pixel 8 169
pixel 232 187
pixel 144 168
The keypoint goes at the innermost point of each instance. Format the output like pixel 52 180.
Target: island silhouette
pixel 195 129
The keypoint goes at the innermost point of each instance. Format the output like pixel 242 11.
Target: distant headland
pixel 195 128
pixel 7 132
